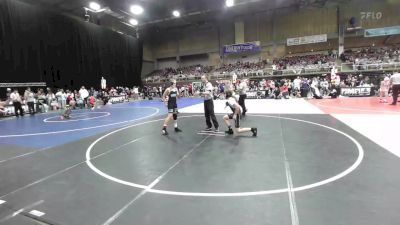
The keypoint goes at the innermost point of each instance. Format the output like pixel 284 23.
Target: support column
pixel 239 32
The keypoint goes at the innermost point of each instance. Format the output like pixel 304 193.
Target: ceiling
pixel 158 13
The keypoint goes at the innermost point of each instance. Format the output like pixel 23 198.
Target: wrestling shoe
pixel 254 130
pixel 164 131
pixel 230 132
pixel 208 129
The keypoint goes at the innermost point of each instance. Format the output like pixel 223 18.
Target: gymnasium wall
pixel 272 28
pixel 201 59
pixel 389 9
pixel 305 22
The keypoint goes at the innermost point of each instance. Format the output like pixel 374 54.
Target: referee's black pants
pixel 396 91
pixel 242 103
pixel 209 113
pixel 18 108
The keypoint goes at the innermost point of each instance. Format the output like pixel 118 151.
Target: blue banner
pixel 382 31
pixel 240 48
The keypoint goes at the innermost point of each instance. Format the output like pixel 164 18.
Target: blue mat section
pixel 34 131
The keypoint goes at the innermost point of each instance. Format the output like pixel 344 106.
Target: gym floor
pixel 313 162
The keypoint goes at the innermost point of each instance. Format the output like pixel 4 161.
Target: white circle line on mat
pixel 105 114
pixel 85 128
pixel 229 194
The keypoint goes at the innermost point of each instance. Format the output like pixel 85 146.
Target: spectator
pixel 2 108
pixel 304 88
pixel 17 102
pixel 84 94
pixel 285 91
pixel 30 100
pixel 42 102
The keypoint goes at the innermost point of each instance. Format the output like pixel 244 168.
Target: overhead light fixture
pixel 229 3
pixel 137 9
pixel 176 13
pixel 133 22
pixel 95 6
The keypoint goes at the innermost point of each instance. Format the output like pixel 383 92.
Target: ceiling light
pixel 176 13
pixel 137 9
pixel 95 6
pixel 229 3
pixel 133 22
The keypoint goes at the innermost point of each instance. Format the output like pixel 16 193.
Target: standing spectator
pixel 209 105
pixel 30 100
pixel 84 94
pixel 384 89
pixel 304 88
pixel 61 98
pixel 296 84
pixel 395 83
pixel 324 87
pixel 103 83
pixel 17 102
pixel 8 93
pixel 92 92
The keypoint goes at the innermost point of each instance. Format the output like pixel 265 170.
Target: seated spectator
pixel 3 108
pixel 333 93
pixel 285 91
pixel 277 93
pixel 42 102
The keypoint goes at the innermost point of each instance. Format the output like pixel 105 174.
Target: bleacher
pixel 352 61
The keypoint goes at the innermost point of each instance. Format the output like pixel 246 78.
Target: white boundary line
pixel 66 169
pixel 85 128
pixel 211 134
pixel 69 120
pixel 352 109
pixel 232 194
pixel 292 200
pixel 28 207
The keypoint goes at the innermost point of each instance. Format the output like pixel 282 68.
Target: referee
pixel 395 83
pixel 243 96
pixel 209 105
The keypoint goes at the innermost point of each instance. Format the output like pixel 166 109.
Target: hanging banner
pixel 355 91
pixel 240 48
pixel 385 31
pixel 307 40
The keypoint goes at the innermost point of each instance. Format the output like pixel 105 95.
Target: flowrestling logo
pixel 371 15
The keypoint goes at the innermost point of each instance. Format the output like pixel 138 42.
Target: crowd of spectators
pixel 242 67
pixel 44 100
pixel 296 64
pixel 305 62
pixel 192 72
pixel 357 59
pixel 307 87
pixel 364 56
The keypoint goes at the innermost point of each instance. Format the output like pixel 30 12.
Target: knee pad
pixel 175 116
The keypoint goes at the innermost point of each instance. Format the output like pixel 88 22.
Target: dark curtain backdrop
pixel 38 45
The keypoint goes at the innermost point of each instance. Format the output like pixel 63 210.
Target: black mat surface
pixel 188 162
